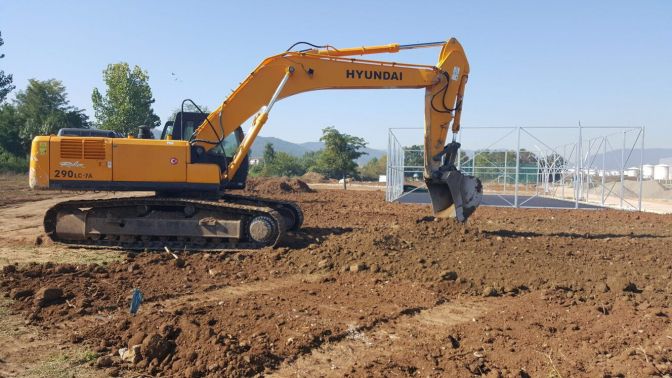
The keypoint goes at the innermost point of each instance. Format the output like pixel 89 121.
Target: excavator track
pixel 152 223
pixel 289 210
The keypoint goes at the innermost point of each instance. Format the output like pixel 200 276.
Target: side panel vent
pixel 71 148
pixel 94 149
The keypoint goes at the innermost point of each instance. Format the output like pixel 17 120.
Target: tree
pixel 340 151
pixel 310 159
pixel 127 103
pixel 284 164
pixel 269 153
pixel 12 163
pixel 414 156
pixel 374 168
pixel 5 79
pixel 10 125
pixel 278 164
pixel 489 164
pixel 43 108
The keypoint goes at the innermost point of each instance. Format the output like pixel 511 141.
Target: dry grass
pixel 66 364
pixel 23 255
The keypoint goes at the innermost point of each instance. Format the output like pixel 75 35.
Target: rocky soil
pixel 368 288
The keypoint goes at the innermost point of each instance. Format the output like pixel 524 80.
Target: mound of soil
pixel 271 186
pixel 312 177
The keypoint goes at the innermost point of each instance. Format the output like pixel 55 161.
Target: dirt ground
pixel 366 288
pixel 15 190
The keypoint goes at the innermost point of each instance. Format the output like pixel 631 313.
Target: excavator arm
pixel 189 210
pixel 290 73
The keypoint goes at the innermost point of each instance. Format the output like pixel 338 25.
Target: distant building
pixel 255 161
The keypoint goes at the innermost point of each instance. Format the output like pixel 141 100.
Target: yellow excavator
pixel 201 157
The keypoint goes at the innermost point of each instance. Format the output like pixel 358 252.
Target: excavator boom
pixel 202 155
pixel 290 73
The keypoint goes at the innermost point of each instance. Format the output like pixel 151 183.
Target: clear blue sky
pixel 532 62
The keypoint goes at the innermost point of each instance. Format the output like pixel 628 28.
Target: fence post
pixel 515 193
pixel 564 170
pixel 506 157
pixel 390 160
pixel 579 173
pixel 641 167
pixel 622 171
pixel 604 173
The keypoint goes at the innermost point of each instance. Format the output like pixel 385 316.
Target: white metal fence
pixel 578 165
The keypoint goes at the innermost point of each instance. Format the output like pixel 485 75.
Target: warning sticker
pixel 456 73
pixel 42 148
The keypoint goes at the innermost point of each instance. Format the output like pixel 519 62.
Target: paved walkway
pixel 507 200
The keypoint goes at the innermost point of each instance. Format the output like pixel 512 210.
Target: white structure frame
pixel 571 171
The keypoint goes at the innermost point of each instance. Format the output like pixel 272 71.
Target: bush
pixel 11 163
pixel 281 164
pixel 373 169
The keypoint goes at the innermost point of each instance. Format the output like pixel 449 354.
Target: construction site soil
pixel 365 288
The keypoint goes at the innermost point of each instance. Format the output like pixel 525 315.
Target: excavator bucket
pixel 455 195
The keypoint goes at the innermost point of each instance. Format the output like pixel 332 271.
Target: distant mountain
pixel 651 156
pixel 298 149
pixel 293 149
pixel 312 146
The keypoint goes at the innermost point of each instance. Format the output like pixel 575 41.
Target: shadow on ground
pixel 571 235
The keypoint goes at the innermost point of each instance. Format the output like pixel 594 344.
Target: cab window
pixel 228 146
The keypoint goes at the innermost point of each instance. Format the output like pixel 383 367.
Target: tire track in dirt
pixel 229 292
pixel 361 346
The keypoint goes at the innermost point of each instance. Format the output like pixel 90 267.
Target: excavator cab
pixel 182 128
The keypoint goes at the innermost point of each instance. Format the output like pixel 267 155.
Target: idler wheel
pixel 262 229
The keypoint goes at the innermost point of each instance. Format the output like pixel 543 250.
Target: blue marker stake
pixel 136 300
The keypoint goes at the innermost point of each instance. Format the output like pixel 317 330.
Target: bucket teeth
pixel 455 195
